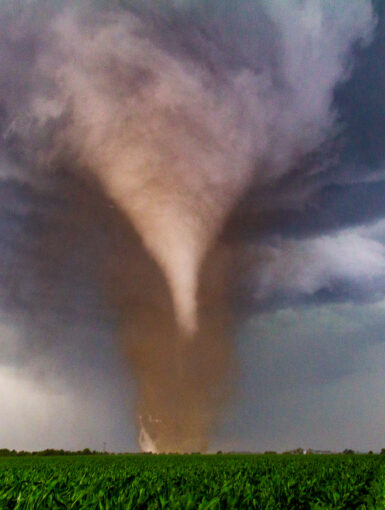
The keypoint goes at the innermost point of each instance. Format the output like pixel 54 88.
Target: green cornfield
pixel 193 482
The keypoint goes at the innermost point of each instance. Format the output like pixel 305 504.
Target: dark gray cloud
pixel 312 377
pixel 342 183
pixel 361 104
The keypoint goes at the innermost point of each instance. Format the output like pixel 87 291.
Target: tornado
pixel 172 148
pixel 174 112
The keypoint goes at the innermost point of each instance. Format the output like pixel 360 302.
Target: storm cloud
pixel 171 172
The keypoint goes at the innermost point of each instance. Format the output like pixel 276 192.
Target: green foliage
pixel 193 482
pixel 49 452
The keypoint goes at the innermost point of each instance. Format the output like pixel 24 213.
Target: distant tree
pixel 297 451
pixel 219 452
pixel 347 451
pixel 382 452
pixel 23 453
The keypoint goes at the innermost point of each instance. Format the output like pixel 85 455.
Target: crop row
pixel 193 482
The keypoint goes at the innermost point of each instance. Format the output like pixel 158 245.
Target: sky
pixel 192 225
